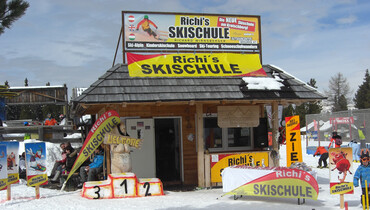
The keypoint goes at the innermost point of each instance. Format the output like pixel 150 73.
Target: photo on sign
pixel 12 156
pixel 35 158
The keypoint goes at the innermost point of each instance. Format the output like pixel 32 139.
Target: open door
pixel 168 147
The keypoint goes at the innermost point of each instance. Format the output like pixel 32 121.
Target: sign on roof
pixel 194 65
pixel 189 32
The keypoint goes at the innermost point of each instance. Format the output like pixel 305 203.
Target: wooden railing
pixel 54 134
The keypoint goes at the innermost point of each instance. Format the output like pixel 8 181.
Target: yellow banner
pixel 115 139
pixel 342 188
pixel 101 127
pixel 194 65
pixel 221 161
pixel 293 140
pixel 281 188
pixel 37 180
pixel 13 178
pixel 3 183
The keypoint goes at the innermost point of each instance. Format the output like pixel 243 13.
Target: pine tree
pixel 10 12
pixel 362 96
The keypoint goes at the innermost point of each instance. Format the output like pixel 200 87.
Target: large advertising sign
pixel 221 161
pixel 194 65
pixel 36 163
pixel 178 31
pixel 341 170
pixel 293 140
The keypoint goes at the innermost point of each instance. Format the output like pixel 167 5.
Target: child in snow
pixel 363 173
pixel 324 156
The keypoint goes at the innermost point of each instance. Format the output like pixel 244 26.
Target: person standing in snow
pixel 336 139
pixel 355 150
pixel 363 173
pixel 323 158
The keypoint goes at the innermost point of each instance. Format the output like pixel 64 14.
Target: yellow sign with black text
pixel 293 140
pixel 194 65
pixel 221 161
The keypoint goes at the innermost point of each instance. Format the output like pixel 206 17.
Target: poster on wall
pixel 341 170
pixel 293 140
pixel 12 161
pixel 180 31
pixel 221 161
pixel 36 163
pixel 3 167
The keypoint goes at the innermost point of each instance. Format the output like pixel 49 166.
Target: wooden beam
pixel 275 128
pixel 200 145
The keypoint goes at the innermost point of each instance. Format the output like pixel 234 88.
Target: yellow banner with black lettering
pixel 194 65
pixel 37 180
pixel 221 161
pixel 293 140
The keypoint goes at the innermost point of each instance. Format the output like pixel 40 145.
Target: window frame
pixel 225 144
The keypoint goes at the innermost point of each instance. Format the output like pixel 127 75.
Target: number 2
pixel 147 186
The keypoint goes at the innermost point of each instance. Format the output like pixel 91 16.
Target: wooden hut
pixel 188 124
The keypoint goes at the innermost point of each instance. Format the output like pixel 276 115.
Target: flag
pixel 101 127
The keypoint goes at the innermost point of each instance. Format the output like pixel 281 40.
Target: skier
pixel 336 139
pixel 355 150
pixel 145 25
pixel 324 156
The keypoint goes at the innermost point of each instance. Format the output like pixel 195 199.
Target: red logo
pixel 131 18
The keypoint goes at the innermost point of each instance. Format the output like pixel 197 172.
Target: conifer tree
pixel 338 92
pixel 10 12
pixel 362 96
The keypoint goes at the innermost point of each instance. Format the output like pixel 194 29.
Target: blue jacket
pixel 97 161
pixel 362 173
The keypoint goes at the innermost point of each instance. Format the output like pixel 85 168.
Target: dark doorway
pixel 167 150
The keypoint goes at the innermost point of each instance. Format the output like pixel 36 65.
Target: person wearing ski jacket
pixel 324 156
pixel 145 25
pixel 363 173
pixel 336 139
pixel 90 172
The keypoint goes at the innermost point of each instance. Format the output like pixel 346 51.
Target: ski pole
pixel 363 202
pixel 367 195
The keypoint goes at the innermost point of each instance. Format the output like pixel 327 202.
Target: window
pixel 224 139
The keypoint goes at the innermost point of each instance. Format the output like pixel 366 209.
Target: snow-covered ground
pixel 23 196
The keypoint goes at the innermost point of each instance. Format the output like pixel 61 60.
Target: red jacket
pixel 51 121
pixel 320 151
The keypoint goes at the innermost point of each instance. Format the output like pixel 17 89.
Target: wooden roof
pixel 116 86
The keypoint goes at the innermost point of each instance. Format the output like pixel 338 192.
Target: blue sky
pixel 74 42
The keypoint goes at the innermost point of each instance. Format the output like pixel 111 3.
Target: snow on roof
pixel 263 83
pixel 34 87
pixel 308 86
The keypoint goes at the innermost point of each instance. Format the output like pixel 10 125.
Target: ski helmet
pixel 146 17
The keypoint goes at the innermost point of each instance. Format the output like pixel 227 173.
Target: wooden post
pixel 9 193
pixel 207 162
pixel 342 201
pixel 200 145
pixel 107 152
pixel 37 190
pixel 275 129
